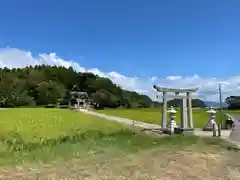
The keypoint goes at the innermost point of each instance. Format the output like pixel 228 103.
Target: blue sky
pixel 134 38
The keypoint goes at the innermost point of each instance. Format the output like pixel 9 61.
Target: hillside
pixel 215 104
pixel 195 103
pixel 42 85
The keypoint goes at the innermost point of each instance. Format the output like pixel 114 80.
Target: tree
pixel 5 92
pixel 195 103
pixel 42 85
pixel 49 92
pixel 100 97
pixel 233 102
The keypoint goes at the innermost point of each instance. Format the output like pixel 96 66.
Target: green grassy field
pixel 200 117
pixel 40 133
pixel 42 142
pixel 36 124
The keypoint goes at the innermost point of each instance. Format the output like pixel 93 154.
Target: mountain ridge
pixel 215 104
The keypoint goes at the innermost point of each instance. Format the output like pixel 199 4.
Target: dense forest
pixel 44 85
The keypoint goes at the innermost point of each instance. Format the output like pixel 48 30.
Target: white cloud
pixel 173 78
pixel 208 87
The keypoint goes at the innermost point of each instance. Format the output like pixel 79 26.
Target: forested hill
pixel 195 103
pixel 42 85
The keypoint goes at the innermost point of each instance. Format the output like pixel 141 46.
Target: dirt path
pixel 179 165
pixel 197 131
pixel 121 120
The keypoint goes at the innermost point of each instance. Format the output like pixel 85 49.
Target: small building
pixel 78 99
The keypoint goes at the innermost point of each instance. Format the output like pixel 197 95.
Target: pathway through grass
pixel 150 115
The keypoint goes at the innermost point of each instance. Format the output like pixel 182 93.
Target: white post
pixel 78 103
pixel 190 121
pixel 172 123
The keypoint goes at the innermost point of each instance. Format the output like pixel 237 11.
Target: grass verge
pixel 121 142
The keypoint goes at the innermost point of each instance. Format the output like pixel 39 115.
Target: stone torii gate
pixel 185 105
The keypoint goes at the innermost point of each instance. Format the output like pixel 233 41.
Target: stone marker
pixel 172 123
pixel 211 121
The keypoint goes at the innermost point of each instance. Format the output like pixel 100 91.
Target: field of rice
pixel 151 115
pixel 29 127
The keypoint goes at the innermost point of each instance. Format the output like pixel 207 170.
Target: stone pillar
pixel 183 108
pixel 164 111
pixel 190 121
pixel 78 103
pixel 214 129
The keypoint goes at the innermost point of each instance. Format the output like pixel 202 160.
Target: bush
pixel 50 106
pixel 63 106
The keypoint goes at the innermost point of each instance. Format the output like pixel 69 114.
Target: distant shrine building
pixel 78 99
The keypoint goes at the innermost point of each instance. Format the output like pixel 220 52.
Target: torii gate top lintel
pixel 164 89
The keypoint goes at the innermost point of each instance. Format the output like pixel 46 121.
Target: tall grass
pixel 30 128
pixel 33 124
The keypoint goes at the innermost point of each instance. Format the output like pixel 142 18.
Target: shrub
pixel 63 106
pixel 50 106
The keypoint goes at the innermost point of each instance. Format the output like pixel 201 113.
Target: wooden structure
pixel 80 98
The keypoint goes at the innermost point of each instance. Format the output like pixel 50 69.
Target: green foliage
pixel 195 103
pixel 63 106
pixel 233 102
pixel 43 85
pixel 50 106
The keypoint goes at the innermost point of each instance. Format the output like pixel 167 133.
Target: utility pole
pixel 220 101
pixel 220 96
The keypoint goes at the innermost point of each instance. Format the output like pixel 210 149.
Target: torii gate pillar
pixel 164 111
